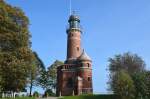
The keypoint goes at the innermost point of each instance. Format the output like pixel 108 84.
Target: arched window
pixel 88 64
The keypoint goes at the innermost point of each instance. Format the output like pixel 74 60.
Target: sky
pixel 110 27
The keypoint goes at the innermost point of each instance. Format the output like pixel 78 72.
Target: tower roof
pixel 84 57
pixel 74 17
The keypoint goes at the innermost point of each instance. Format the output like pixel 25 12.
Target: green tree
pixel 123 85
pixel 43 80
pixel 36 94
pixel 142 84
pixel 49 92
pixel 47 80
pixel 148 84
pixel 15 53
pixel 129 62
pixel 35 71
pixel 52 73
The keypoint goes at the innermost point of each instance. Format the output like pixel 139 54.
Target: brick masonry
pixel 75 76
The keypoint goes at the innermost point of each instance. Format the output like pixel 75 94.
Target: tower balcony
pixel 73 28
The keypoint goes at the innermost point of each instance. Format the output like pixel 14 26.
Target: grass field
pixel 90 97
pixel 20 98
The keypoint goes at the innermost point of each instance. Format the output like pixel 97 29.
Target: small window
pixel 88 64
pixel 89 78
pixel 71 34
pixel 78 49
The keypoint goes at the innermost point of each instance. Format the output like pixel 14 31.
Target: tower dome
pixel 74 17
pixel 84 57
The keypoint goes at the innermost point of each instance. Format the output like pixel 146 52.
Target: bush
pixel 49 92
pixel 36 94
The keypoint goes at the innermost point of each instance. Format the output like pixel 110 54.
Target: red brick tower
pixel 74 39
pixel 75 76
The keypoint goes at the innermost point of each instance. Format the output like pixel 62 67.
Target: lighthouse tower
pixel 75 76
pixel 74 38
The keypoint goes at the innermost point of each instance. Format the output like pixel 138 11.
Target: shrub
pixel 36 94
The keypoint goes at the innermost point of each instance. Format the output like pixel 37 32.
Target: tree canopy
pixel 15 53
pixel 128 76
pixel 129 62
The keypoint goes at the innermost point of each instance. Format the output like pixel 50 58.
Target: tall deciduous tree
pixel 52 73
pixel 15 51
pixel 142 84
pixel 130 64
pixel 35 71
pixel 148 83
pixel 48 78
pixel 123 85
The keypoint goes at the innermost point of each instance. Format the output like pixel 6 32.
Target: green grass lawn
pixel 20 98
pixel 90 97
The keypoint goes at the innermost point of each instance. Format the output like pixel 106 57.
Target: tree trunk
pixel 31 85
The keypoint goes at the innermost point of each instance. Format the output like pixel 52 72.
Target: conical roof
pixel 84 57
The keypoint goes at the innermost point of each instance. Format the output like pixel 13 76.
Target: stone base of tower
pixel 72 81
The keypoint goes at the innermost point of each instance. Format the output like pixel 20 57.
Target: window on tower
pixel 89 78
pixel 78 48
pixel 88 64
pixel 74 24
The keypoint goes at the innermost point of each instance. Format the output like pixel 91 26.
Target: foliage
pixel 36 94
pixel 131 63
pixel 49 92
pixel 142 84
pixel 47 80
pixel 123 85
pixel 43 80
pixel 128 76
pixel 35 71
pixel 15 53
pixel 148 83
pixel 52 73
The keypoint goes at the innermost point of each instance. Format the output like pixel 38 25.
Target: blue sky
pixel 109 27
